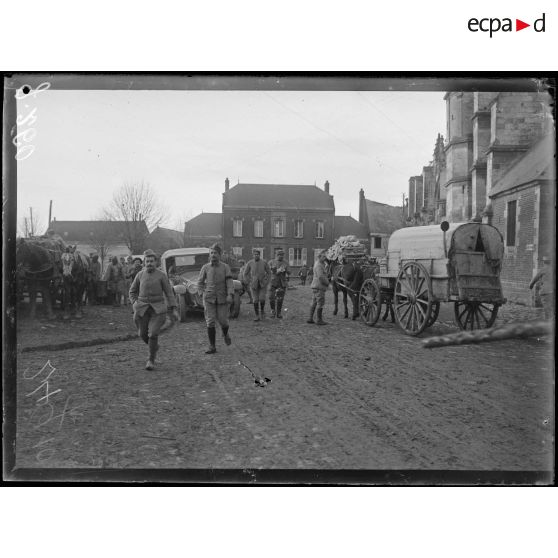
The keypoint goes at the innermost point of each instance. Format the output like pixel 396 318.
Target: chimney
pixel 326 187
pixel 362 208
pixel 226 184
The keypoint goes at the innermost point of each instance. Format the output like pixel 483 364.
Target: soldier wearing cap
pixel 152 298
pixel 215 283
pixel 320 284
pixel 256 274
pixel 280 272
pixel 544 280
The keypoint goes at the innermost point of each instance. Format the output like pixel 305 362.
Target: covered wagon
pixel 424 266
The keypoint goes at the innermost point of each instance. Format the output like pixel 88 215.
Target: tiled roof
pixel 383 218
pixel 204 224
pixel 536 164
pixel 346 225
pixel 74 231
pixel 283 196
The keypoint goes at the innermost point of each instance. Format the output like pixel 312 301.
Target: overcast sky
pixel 185 143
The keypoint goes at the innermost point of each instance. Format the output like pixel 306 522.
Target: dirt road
pixel 342 396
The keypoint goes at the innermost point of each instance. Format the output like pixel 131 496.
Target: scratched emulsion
pixel 343 396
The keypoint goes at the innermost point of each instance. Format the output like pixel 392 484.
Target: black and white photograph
pixel 279 278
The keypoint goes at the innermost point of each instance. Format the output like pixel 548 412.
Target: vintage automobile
pixel 182 265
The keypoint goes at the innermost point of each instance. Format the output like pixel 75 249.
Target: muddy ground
pixel 342 396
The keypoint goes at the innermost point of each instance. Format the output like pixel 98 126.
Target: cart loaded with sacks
pixel 425 266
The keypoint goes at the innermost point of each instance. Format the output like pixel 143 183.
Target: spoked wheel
pixel 434 313
pixel 369 302
pixel 475 315
pixel 412 298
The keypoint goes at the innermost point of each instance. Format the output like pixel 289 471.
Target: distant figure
pixel 115 281
pixel 280 272
pixel 256 275
pixel 544 280
pixel 320 284
pixel 94 276
pixel 303 274
pixel 245 284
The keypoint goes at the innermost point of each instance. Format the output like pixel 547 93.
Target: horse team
pixel 58 272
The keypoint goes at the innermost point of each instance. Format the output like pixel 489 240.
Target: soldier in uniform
pixel 215 283
pixel 545 281
pixel 152 298
pixel 256 274
pixel 320 284
pixel 280 273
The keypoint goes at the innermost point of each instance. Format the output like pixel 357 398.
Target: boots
pixel 211 335
pixel 262 306
pixel 153 348
pixel 310 319
pixel 279 306
pixel 272 304
pixel 226 335
pixel 256 309
pixel 320 320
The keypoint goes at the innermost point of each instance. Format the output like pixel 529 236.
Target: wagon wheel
pixel 434 313
pixel 475 315
pixel 412 298
pixel 369 302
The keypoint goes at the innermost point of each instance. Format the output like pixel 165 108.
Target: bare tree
pixel 31 224
pixel 136 204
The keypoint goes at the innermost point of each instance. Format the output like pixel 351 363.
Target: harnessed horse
pixel 37 266
pixel 347 278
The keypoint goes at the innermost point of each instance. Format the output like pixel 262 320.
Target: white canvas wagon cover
pixel 427 243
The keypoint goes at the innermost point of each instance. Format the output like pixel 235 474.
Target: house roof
pixel 204 224
pixel 282 196
pixel 383 218
pixel 536 164
pixel 346 225
pixel 162 239
pixel 84 231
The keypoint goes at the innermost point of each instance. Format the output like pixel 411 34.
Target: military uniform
pixel 320 284
pixel 280 272
pixel 216 283
pixel 256 274
pixel 152 297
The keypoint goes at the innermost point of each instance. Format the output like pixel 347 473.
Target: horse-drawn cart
pixel 457 262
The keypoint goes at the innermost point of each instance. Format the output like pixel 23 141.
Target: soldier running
pixel 280 273
pixel 148 292
pixel 216 284
pixel 256 274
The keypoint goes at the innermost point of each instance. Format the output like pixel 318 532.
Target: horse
pixel 347 278
pixel 75 276
pixel 37 267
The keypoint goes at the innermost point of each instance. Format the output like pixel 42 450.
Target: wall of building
pixel 268 242
pixel 520 260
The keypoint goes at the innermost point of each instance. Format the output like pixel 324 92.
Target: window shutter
pixel 304 256
pixel 291 256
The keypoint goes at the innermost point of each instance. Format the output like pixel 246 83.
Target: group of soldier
pixel 152 296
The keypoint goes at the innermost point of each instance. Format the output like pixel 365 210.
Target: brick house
pixel 203 230
pixel 297 218
pixel 381 220
pixel 523 209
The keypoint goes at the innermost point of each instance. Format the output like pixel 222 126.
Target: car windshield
pixel 188 265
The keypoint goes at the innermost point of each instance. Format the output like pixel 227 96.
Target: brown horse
pixel 38 268
pixel 347 278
